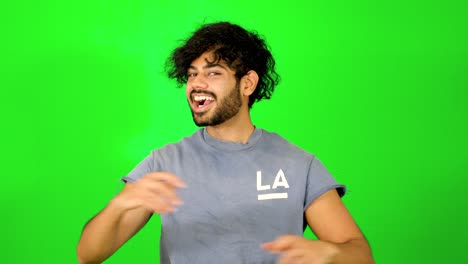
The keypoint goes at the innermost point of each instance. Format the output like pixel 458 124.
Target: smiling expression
pixel 212 91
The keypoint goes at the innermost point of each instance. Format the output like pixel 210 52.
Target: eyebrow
pixel 208 66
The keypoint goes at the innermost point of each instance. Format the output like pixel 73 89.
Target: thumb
pixel 281 244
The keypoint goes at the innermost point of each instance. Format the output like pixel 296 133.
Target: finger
pixel 282 243
pixel 156 197
pixel 168 178
pixel 293 256
pixel 164 191
pixel 268 245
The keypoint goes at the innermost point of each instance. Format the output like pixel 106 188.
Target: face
pixel 212 91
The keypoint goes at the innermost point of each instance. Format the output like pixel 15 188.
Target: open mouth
pixel 202 101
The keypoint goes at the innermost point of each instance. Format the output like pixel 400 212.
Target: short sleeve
pixel 319 181
pixel 144 167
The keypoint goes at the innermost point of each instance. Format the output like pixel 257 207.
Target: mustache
pixel 203 92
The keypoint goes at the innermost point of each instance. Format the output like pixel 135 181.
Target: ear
pixel 249 82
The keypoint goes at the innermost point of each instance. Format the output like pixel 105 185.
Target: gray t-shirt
pixel 238 197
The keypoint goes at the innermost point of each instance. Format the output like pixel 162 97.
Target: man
pixel 231 192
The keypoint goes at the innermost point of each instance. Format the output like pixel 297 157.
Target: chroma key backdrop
pixel 376 89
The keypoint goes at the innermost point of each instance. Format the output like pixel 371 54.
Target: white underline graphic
pixel 270 196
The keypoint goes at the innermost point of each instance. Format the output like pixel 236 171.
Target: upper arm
pixel 329 219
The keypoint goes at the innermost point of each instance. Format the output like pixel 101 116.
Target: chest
pixel 241 191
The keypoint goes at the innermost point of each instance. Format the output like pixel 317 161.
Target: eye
pixel 213 73
pixel 191 74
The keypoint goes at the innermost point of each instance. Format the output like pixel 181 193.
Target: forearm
pixel 353 251
pixel 126 214
pixel 99 237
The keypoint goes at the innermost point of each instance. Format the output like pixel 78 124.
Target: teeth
pixel 202 97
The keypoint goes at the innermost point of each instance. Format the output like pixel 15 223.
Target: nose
pixel 198 82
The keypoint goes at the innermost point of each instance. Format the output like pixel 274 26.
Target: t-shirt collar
pixel 228 145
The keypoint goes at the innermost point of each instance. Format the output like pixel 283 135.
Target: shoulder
pixel 184 144
pixel 275 142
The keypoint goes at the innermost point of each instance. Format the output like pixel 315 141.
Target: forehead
pixel 208 60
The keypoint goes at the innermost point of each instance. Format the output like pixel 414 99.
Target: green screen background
pixel 376 89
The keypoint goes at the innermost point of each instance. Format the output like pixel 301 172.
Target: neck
pixel 237 129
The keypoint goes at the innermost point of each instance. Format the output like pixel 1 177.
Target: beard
pixel 225 109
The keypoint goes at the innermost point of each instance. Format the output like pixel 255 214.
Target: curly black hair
pixel 240 49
